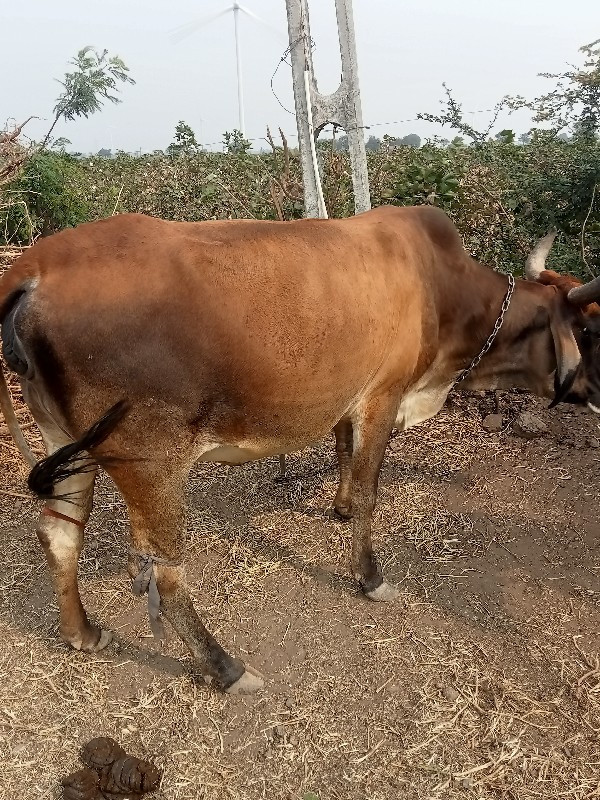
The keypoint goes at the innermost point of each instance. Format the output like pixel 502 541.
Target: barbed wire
pixel 363 127
pixel 282 60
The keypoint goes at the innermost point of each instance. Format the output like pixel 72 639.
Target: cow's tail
pixel 71 459
pixel 18 280
pixel 12 423
pixel 14 283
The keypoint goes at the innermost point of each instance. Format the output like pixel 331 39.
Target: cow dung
pixel 81 785
pixel 110 774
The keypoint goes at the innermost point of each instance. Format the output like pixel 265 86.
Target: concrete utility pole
pixel 238 58
pixel 314 110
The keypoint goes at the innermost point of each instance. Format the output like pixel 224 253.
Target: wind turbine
pixel 183 31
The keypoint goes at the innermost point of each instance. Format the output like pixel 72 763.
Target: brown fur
pixel 564 283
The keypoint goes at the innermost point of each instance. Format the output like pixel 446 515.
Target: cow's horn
pixel 536 261
pixel 588 293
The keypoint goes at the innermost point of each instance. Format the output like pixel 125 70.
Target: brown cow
pixel 232 341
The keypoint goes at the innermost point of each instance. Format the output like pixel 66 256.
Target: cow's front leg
pixel 215 663
pixel 371 430
pixel 60 530
pixel 157 518
pixel 343 447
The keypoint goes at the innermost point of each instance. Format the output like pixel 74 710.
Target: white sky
pixel 483 49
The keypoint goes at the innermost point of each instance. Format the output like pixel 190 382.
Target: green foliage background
pixel 501 195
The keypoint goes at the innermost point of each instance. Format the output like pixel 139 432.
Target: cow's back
pixel 259 317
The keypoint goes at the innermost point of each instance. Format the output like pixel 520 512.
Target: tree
pixel 185 141
pixel 574 101
pixel 373 144
pixel 389 143
pixel 96 78
pixel 41 172
pixel 452 116
pixel 505 137
pixel 235 143
pixel 412 140
pixel 341 144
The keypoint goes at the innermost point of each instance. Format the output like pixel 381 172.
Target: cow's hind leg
pixel 156 508
pixel 343 446
pixel 372 428
pixel 60 530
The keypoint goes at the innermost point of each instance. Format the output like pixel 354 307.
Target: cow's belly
pixel 231 454
pixel 226 453
pixel 261 427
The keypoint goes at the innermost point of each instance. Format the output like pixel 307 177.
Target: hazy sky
pixel 483 49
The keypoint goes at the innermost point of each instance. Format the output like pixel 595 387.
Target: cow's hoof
pixel 338 514
pixel 384 593
pixel 248 683
pixel 99 639
pixel 105 639
pixel 343 512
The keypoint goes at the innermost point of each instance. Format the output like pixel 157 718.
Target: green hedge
pixel 501 195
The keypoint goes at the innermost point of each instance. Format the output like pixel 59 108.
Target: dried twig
pixel 585 261
pixel 117 200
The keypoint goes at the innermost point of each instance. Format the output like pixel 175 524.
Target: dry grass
pixel 483 681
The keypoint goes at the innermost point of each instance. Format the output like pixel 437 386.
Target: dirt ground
pixel 482 681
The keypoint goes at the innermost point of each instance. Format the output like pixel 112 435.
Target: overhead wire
pixel 365 126
pixel 283 59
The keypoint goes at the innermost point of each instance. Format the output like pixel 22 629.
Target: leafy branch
pixel 453 117
pixel 94 81
pixel 574 101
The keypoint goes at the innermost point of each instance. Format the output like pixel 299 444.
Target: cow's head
pixel 575 323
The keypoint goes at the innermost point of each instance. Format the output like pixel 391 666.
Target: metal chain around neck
pixel 492 337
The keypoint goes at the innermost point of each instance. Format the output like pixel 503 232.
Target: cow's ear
pixel 568 357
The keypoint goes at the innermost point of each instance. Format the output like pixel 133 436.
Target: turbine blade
pixel 183 31
pixel 272 28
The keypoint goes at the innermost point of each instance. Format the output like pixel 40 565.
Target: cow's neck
pixel 468 306
pixel 523 353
